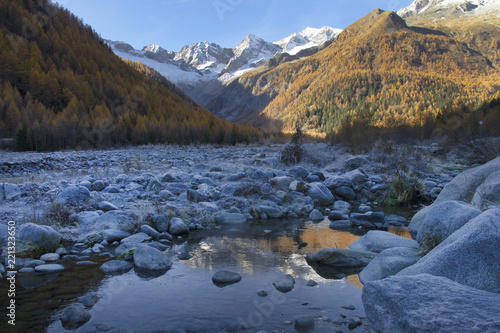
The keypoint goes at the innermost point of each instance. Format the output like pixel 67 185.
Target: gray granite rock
pixel 469 256
pixel 9 191
pixel 320 194
pixel 149 258
pixel 444 219
pixel 389 262
pixel 74 316
pixel 340 258
pixel 284 284
pixel 74 195
pixel 42 236
pixel 378 241
pixel 426 303
pixel 116 266
pixel 226 277
pixel 178 227
pixel 111 235
pixel 231 218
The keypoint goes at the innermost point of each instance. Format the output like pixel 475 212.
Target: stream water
pixel 184 299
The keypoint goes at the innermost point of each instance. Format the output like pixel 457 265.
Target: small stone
pixel 116 266
pixel 49 268
pixel 302 245
pixel 61 251
pixel 48 257
pixel 26 270
pixel 354 322
pixel 287 322
pixel 89 300
pixel 226 277
pixel 285 283
pixel 304 321
pixel 85 263
pixel 262 293
pixel 74 316
pixel 311 283
pixel 106 206
pixel 349 307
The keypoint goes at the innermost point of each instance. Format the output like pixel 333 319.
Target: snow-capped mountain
pixel 463 7
pixel 307 38
pixel 197 64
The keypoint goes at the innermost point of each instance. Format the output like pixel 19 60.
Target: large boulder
pixel 488 193
pixel 340 258
pixel 389 262
pixel 320 194
pixel 282 182
pixel 42 236
pixel 9 191
pixel 463 188
pixel 378 241
pixel 469 256
pixel 74 195
pixel 355 163
pixel 426 303
pixel 149 258
pixel 444 219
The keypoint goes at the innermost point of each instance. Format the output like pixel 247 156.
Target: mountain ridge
pixel 379 66
pixel 195 65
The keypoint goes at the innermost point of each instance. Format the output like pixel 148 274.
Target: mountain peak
pixel 454 7
pixel 375 23
pixel 153 48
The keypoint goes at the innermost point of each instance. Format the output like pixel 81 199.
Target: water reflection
pixel 184 298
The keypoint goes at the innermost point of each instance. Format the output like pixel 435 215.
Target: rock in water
pixel 149 258
pixel 426 303
pixel 378 241
pixel 470 256
pixel 74 316
pixel 340 258
pixel 116 266
pixel 285 283
pixel 226 278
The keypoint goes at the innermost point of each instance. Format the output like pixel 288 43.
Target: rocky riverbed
pixel 134 205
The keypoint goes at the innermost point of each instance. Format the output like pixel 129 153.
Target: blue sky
pixel 175 23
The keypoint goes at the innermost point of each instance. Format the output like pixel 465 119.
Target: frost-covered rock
pixel 298 172
pixel 9 191
pixel 378 241
pixel 111 235
pixel 271 212
pixel 469 256
pixel 149 258
pixel 178 227
pixel 106 206
pixel 74 195
pixel 316 215
pixel 196 196
pixel 488 193
pixel 389 262
pixel 345 192
pixel 426 303
pixel 115 219
pixel 42 236
pixel 320 194
pixel 462 188
pixel 444 219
